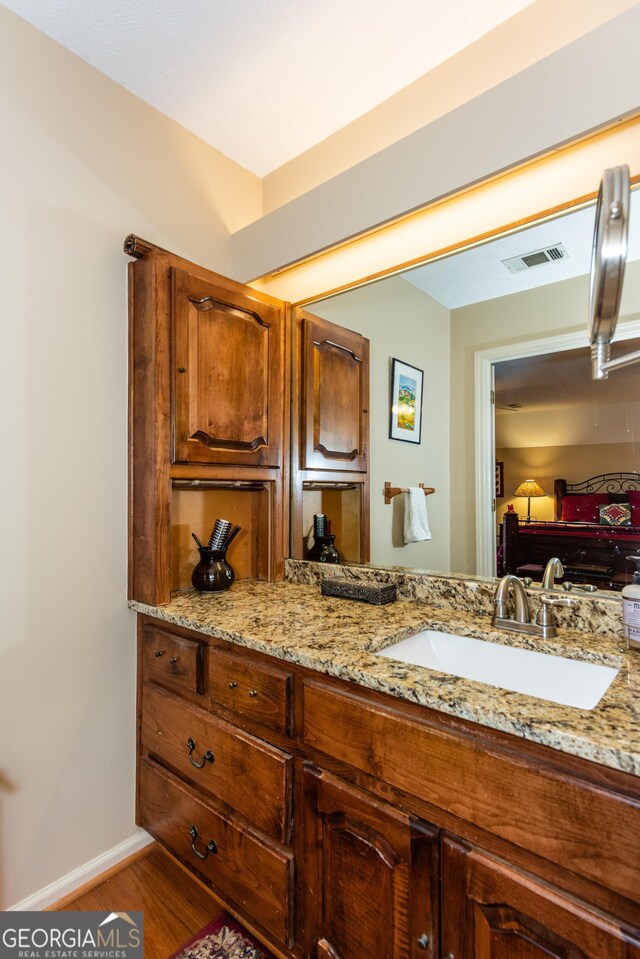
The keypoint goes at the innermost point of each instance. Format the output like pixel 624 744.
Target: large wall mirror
pixel 514 308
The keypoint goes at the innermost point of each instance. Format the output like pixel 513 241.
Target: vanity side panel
pixel 149 432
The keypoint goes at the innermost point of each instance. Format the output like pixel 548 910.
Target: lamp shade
pixel 529 488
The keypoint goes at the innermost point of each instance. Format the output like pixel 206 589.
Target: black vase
pixel 323 550
pixel 212 573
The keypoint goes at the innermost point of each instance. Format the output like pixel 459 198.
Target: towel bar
pixel 391 491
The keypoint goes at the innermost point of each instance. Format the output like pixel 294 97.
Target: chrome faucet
pixel 544 625
pixel 501 600
pixel 553 568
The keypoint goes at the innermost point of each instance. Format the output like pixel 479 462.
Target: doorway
pixel 526 356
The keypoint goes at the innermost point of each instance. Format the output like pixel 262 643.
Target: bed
pixel 597 526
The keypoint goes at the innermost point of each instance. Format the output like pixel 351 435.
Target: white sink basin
pixel 569 682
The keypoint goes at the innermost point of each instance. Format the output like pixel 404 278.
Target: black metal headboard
pixel 616 484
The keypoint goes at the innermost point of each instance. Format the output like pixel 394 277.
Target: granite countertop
pixel 340 637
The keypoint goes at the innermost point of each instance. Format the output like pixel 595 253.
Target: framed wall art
pixel 405 421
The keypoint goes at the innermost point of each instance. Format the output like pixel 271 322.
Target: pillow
pixel 634 502
pixel 615 514
pixel 583 507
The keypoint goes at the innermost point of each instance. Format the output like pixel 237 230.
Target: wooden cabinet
pixel 258 693
pixel 371 876
pixel 172 660
pixel 208 422
pixel 228 372
pixel 535 805
pixel 335 396
pixel 218 797
pixel 491 910
pixel 343 824
pixel 330 434
pixel 240 865
pixel 220 760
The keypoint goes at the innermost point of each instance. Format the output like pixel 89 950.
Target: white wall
pixel 83 163
pixel 557 100
pixel 402 321
pixel 518 43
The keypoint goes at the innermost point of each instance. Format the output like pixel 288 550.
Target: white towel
pixel 416 524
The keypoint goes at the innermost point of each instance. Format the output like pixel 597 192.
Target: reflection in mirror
pixel 503 297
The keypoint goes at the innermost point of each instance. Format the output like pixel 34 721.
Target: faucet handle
pixel 559 601
pixel 545 613
pixel 583 587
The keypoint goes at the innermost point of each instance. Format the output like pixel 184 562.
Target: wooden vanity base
pixel 346 824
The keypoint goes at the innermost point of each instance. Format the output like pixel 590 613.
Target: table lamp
pixel 529 488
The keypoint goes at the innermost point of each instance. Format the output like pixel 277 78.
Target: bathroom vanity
pixel 347 806
pixel 342 804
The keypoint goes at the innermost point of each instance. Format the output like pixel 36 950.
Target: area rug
pixel 223 938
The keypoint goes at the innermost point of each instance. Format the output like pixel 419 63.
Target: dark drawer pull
pixel 232 684
pixel 160 652
pixel 212 846
pixel 423 941
pixel 253 693
pixel 173 660
pixel 207 758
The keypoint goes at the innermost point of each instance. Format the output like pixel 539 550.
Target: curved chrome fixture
pixel 608 260
pixel 553 568
pixel 501 600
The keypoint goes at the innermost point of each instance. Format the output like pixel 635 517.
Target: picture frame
pixel 499 479
pixel 405 408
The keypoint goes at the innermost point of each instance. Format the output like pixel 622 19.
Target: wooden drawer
pixel 171 660
pixel 243 868
pixel 559 816
pixel 255 691
pixel 217 757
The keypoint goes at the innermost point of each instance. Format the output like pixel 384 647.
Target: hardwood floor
pixel 175 905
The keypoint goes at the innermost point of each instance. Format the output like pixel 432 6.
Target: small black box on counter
pixel 376 593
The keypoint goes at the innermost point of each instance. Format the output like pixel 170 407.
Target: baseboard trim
pixel 63 887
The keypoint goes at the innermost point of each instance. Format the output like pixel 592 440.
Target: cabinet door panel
pixel 493 911
pixel 336 397
pixel 375 872
pixel 229 375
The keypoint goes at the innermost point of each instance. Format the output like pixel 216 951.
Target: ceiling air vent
pixel 516 264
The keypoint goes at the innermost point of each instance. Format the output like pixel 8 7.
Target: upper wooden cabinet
pixel 228 374
pixel 335 396
pixel 208 421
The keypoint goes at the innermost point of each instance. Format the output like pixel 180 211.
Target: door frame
pixel 485 453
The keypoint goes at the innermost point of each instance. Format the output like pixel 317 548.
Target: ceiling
pixel 265 80
pixel 560 405
pixel 478 274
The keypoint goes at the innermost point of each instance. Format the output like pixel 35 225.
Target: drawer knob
pixel 253 693
pixel 232 684
pixel 207 758
pixel 423 941
pixel 160 652
pixel 173 660
pixel 212 846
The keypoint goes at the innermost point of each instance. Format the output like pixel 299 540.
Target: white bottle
pixel 631 607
